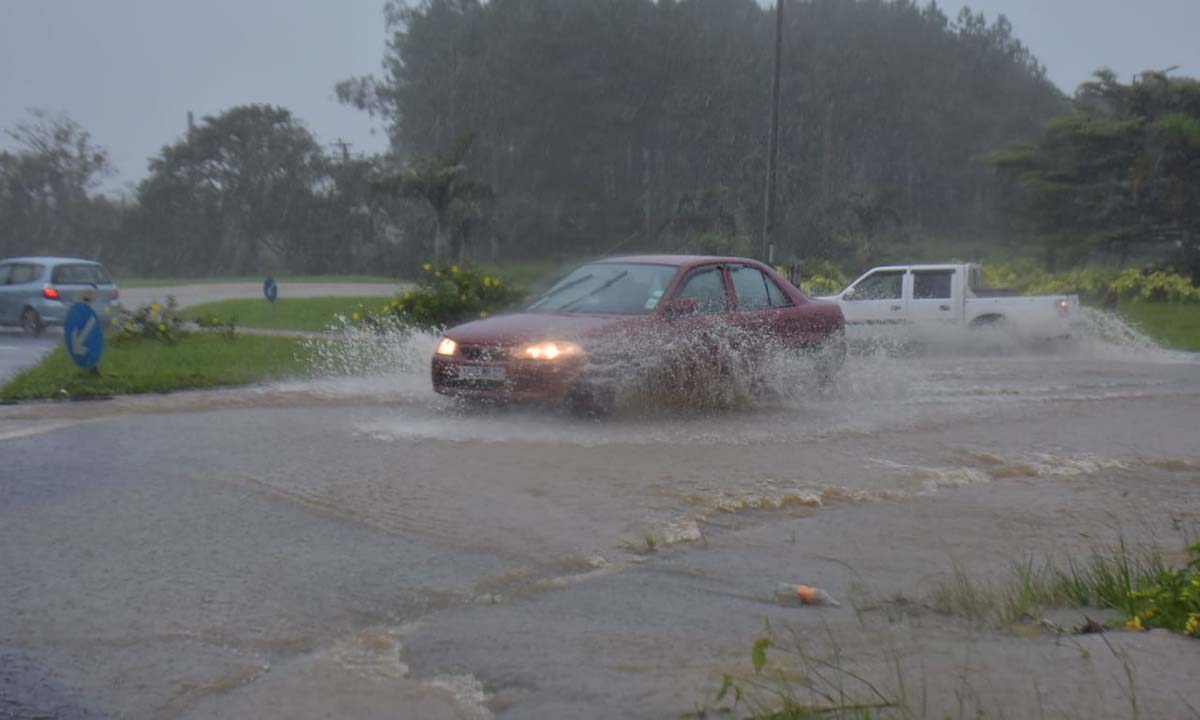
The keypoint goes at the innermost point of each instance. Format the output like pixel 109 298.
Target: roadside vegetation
pixel 1172 326
pixel 140 282
pixel 299 314
pixel 143 365
pixel 790 680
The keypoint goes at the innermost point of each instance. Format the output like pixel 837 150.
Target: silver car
pixel 38 291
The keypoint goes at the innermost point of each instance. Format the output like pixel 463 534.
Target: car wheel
pixel 830 357
pixel 592 400
pixel 31 323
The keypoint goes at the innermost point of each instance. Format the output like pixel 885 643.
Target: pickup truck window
pixel 880 286
pixel 755 291
pixel 932 284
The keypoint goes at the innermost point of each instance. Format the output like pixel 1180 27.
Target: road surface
pixel 359 547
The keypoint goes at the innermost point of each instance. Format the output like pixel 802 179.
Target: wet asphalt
pixel 363 548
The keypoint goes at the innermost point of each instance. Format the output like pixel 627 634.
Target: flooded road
pixel 360 547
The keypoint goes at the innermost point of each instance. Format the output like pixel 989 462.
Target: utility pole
pixel 345 146
pixel 768 241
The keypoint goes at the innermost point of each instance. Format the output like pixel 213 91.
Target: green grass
pixel 313 314
pixel 1105 579
pixel 534 276
pixel 144 366
pixel 1173 326
pixel 170 282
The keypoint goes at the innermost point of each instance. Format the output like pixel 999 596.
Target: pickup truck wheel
pixel 31 322
pixel 989 322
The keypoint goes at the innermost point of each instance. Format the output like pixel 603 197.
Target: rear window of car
pixel 80 275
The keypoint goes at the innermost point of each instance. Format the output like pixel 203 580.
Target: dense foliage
pixel 525 129
pixel 1119 176
pixel 446 295
pixel 643 124
pixel 1093 284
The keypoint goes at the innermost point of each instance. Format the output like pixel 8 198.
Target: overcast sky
pixel 129 70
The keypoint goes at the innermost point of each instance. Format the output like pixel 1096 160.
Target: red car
pixel 613 318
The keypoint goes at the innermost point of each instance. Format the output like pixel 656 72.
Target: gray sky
pixel 129 70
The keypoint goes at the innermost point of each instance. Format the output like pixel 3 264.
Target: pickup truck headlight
pixel 550 350
pixel 446 347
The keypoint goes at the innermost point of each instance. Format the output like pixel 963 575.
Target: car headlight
pixel 446 346
pixel 550 350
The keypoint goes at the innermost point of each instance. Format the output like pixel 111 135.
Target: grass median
pixel 306 314
pixel 1175 326
pixel 198 360
pixel 172 282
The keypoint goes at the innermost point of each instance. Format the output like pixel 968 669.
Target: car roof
pixel 678 260
pixel 49 260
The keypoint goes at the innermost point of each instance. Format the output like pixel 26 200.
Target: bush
pixel 1172 600
pixel 446 295
pixel 1026 277
pixel 150 322
pixel 225 328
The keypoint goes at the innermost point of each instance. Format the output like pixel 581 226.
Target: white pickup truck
pixel 902 299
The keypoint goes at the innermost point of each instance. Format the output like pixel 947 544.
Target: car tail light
pixel 116 293
pixel 50 293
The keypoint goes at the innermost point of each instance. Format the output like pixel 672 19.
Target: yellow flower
pixel 155 306
pixel 162 327
pixel 487 281
pixel 356 316
pixel 1193 625
pixel 427 267
pixel 1150 613
pixel 1134 624
pixel 454 269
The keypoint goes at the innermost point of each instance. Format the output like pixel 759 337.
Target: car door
pixel 5 293
pixel 933 300
pixel 701 336
pixel 876 299
pixel 761 312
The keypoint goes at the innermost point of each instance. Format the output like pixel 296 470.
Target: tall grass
pixel 1106 578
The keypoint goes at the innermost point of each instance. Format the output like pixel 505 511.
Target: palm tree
pixel 444 184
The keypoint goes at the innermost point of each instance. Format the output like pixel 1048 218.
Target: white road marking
pixel 42 429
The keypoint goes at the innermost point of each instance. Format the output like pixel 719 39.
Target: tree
pixel 236 194
pixel 596 124
pixel 1118 175
pixel 445 185
pixel 46 187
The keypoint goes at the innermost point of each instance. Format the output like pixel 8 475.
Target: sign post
pixel 84 335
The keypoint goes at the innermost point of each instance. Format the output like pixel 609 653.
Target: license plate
pixel 484 373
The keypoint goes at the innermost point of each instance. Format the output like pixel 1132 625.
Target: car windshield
pixel 608 289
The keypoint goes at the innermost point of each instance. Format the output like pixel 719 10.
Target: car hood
pixel 536 327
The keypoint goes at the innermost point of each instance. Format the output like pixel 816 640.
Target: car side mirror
pixel 680 307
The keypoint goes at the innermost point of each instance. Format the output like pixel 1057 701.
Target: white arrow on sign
pixel 79 337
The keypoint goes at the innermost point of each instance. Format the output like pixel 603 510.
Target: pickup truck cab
pixel 921 298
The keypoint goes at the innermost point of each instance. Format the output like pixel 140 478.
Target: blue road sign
pixel 84 335
pixel 270 289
